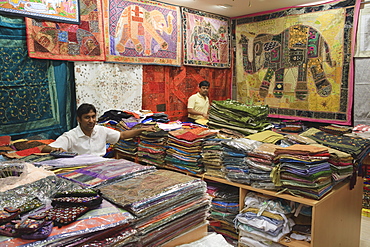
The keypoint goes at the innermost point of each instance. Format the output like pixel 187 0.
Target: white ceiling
pixel 238 7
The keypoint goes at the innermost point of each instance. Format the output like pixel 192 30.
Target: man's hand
pixel 48 149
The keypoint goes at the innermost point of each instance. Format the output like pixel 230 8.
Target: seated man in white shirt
pixel 89 138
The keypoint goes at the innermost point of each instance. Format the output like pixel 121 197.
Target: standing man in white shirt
pixel 89 138
pixel 198 104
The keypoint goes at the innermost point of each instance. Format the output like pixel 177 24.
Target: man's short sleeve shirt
pixel 198 103
pixel 76 141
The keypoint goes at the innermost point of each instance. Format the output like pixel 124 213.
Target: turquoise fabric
pixel 35 94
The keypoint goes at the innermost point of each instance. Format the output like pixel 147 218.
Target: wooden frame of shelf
pixel 336 218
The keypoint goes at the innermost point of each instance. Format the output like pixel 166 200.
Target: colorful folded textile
pixel 106 172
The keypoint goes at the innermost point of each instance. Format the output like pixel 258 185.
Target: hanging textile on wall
pixel 298 61
pixel 363 40
pixel 61 41
pixel 62 10
pixel 34 93
pixel 109 86
pixel 142 32
pixel 170 87
pixel 206 39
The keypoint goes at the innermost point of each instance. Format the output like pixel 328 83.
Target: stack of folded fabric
pixel 166 204
pixel 235 166
pixel 152 148
pixel 303 222
pixel 336 129
pixel 341 163
pixel 356 146
pixel 225 206
pixel 239 117
pixel 260 164
pixel 263 220
pixel 127 147
pixel 303 170
pixel 212 153
pixel 184 147
pixel 105 172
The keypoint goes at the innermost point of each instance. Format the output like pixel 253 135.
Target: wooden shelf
pixel 336 218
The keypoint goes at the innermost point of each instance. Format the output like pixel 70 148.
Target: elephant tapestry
pixel 62 41
pixel 142 32
pixel 298 61
pixel 206 39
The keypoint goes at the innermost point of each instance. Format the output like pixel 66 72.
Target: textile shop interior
pixel 281 159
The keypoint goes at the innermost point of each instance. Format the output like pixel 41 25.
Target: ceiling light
pixel 225 6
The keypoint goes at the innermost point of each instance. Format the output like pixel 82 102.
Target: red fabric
pixel 26 152
pixel 4 140
pixel 167 88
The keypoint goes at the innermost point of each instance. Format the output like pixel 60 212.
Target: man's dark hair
pixel 204 83
pixel 84 109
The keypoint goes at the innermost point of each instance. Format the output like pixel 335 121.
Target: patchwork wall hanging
pixel 170 87
pixel 62 10
pixel 142 32
pixel 62 41
pixel 298 61
pixel 206 39
pixel 109 86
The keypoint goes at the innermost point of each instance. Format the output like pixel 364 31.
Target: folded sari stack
pixel 303 170
pixel 225 206
pixel 260 163
pixel 235 167
pixel 152 148
pixel 263 220
pixel 184 147
pixel 212 155
pixel 106 172
pixel 165 203
pixel 236 116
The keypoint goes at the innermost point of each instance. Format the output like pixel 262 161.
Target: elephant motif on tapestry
pixel 298 46
pixel 142 27
pixel 207 42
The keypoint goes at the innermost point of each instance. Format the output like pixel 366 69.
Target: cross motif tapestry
pixel 206 39
pixel 170 87
pixel 109 86
pixel 142 32
pixel 298 61
pixel 73 42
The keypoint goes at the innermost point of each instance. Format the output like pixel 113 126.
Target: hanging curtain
pixel 36 96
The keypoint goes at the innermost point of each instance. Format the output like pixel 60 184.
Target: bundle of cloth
pixel 303 170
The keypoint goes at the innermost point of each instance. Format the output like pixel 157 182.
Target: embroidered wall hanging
pixel 34 94
pixel 109 86
pixel 62 10
pixel 170 87
pixel 61 41
pixel 206 39
pixel 142 32
pixel 298 61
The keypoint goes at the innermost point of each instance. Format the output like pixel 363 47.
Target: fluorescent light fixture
pixel 224 6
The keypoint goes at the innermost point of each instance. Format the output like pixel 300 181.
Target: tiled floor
pixel 365 232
